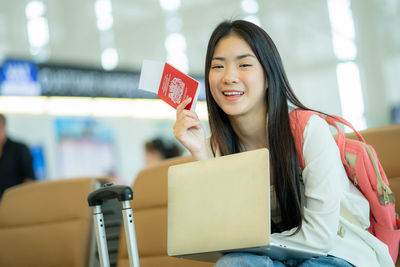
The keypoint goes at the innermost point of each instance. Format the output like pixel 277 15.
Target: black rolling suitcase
pixel 124 194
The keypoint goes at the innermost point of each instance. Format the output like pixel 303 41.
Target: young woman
pixel 247 96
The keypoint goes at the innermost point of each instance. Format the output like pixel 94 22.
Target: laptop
pixel 222 205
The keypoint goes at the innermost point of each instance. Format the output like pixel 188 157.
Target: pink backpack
pixel 364 170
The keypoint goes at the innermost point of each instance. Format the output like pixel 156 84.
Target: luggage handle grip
pixel 110 191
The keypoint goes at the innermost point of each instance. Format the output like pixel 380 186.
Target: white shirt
pixel 327 194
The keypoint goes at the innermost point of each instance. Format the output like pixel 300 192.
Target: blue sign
pixel 39 163
pixel 19 78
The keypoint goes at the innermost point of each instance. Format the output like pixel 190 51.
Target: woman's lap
pixel 252 260
pixel 246 260
pixel 326 261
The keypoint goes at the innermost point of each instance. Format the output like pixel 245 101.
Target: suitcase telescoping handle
pixel 95 200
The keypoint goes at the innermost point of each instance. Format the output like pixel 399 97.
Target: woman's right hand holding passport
pixel 189 131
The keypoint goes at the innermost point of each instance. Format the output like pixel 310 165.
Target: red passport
pixel 170 84
pixel 176 86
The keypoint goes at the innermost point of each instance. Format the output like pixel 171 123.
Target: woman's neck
pixel 251 130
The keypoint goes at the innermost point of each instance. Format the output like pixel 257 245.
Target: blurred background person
pixel 158 149
pixel 16 163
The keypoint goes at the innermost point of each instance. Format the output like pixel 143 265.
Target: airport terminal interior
pixel 70 73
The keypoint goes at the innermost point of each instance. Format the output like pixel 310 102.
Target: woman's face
pixel 237 80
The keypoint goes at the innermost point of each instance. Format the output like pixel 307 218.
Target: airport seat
pixel 46 224
pixel 150 200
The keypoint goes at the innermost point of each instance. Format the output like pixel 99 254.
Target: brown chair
pixel 46 224
pixel 150 200
pixel 386 142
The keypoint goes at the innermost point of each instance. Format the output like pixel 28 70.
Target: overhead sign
pixel 25 78
pixel 59 80
pixel 19 78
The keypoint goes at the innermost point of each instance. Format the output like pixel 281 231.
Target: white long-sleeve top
pixel 327 196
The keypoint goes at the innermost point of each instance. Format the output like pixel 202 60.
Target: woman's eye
pixel 217 67
pixel 245 65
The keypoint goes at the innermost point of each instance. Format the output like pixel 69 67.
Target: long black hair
pixel 280 139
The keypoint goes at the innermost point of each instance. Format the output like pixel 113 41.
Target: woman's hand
pixel 189 132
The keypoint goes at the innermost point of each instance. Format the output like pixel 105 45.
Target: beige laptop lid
pixel 219 204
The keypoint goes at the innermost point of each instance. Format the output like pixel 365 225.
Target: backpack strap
pixel 341 140
pixel 298 120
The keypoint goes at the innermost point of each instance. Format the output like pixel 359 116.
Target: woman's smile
pixel 232 95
